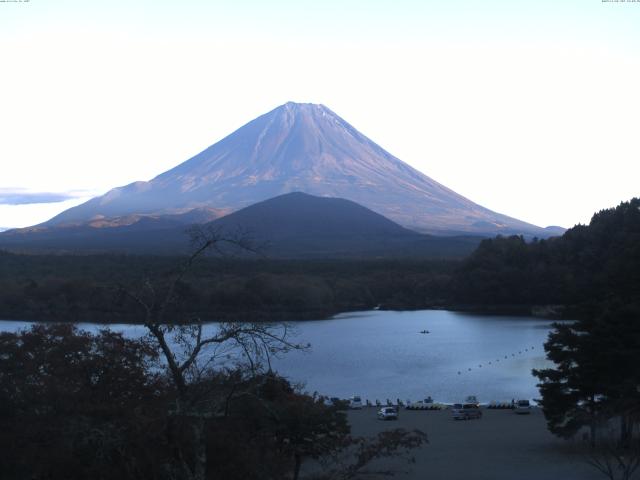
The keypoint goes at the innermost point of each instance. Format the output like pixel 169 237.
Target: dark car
pixel 466 411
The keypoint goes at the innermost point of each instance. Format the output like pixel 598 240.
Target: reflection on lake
pixel 382 354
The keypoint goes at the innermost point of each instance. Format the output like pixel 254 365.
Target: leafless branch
pixel 614 460
pixel 257 341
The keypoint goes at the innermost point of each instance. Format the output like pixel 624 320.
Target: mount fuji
pixel 296 148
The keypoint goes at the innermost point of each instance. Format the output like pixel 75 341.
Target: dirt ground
pixel 499 446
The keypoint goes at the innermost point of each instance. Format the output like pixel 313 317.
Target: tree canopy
pixel 587 267
pixel 596 377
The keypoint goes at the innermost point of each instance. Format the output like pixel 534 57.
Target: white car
pixel 355 402
pixel 388 413
pixel 522 407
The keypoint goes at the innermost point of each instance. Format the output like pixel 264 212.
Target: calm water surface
pixel 382 354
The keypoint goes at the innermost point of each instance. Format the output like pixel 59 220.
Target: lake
pixel 382 354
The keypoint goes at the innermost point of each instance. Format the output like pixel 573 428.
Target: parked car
pixel 465 411
pixel 522 407
pixel 388 413
pixel 355 402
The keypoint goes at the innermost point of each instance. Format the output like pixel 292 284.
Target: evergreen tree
pixel 572 391
pixel 596 375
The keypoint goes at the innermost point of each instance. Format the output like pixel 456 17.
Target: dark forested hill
pixel 297 225
pixel 294 225
pixel 590 264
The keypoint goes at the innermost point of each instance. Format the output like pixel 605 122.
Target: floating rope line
pixel 439 406
pixel 480 365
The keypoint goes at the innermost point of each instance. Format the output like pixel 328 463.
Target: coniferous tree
pixel 596 375
pixel 572 391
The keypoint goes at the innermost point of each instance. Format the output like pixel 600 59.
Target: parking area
pixel 499 446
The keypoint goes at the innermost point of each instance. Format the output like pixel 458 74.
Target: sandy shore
pixel 499 446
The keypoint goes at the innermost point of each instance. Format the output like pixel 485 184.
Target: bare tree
pixel 615 462
pixel 190 349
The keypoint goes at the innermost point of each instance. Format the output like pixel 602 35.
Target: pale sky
pixel 530 108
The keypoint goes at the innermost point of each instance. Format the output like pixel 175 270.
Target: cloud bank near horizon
pixel 22 196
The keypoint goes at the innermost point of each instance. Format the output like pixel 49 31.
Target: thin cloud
pixel 20 196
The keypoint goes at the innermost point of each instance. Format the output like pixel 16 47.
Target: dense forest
pixel 589 265
pixel 89 288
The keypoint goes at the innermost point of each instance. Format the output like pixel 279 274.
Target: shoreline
pixel 543 312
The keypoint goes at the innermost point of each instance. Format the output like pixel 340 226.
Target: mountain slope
pixel 306 148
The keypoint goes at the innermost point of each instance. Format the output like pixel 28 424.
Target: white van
pixel 355 402
pixel 522 407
